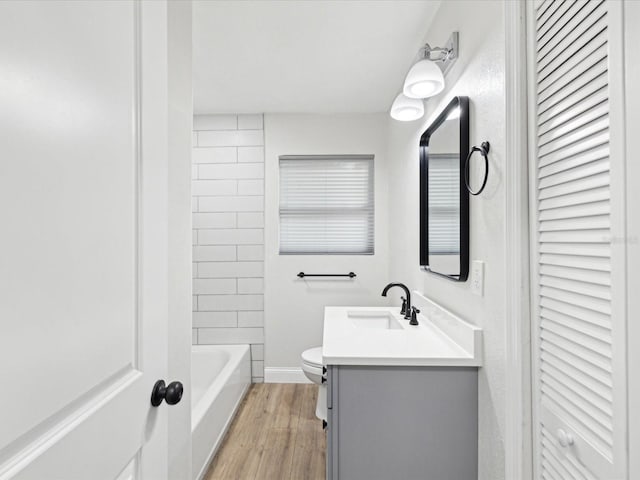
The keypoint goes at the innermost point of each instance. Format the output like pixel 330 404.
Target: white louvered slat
pixel 574 205
pixel 550 62
pixel 580 223
pixel 577 52
pixel 557 105
pixel 542 9
pixel 568 31
pixel 577 418
pixel 582 401
pixel 587 276
pixel 591 370
pixel 576 311
pixel 555 16
pixel 577 286
pixel 553 131
pixel 576 236
pixel 578 205
pixel 590 358
pixel 568 37
pixel 591 57
pixel 576 173
pixel 553 470
pixel 565 468
pixel 565 405
pixel 572 332
pixel 580 102
pixel 579 249
pixel 587 380
pixel 579 184
pixel 575 353
pixel 559 140
pixel 597 305
pixel 573 161
pixel 573 210
pixel 576 261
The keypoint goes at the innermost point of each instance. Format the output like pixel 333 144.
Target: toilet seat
pixel 312 364
pixel 313 357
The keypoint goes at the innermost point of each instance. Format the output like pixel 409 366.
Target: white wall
pixel 478 74
pixel 294 308
pixel 228 239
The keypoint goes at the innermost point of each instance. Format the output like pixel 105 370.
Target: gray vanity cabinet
pixel 404 423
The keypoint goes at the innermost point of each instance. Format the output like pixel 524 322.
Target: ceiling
pixel 305 56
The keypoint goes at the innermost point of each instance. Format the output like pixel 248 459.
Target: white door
pixel 83 256
pixel 578 253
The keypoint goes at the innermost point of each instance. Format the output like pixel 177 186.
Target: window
pixel 326 205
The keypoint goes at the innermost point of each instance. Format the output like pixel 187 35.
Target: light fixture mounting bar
pixel 445 56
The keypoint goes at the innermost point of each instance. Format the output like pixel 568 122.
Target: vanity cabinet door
pixel 403 422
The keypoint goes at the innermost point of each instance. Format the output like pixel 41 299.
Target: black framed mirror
pixel 444 199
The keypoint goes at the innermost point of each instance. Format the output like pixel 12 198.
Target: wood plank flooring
pixel 275 436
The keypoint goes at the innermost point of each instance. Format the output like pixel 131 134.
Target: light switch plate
pixel 477 277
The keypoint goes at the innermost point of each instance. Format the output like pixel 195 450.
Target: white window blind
pixel 444 204
pixel 326 205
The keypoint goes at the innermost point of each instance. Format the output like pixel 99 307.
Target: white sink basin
pixel 374 319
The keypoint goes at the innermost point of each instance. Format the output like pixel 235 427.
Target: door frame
pixel 180 123
pixel 518 422
pixel 631 66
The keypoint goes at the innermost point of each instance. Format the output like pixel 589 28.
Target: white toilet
pixel 312 364
pixel 312 368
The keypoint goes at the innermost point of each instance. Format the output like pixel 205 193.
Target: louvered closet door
pixel 579 358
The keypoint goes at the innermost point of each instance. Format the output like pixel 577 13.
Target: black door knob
pixel 171 393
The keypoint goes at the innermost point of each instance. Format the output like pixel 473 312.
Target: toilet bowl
pixel 312 364
pixel 312 368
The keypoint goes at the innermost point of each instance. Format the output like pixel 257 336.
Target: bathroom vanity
pixel 402 400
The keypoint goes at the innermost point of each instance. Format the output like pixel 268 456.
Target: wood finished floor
pixel 275 436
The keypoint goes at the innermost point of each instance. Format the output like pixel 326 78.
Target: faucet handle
pixel 414 316
pixel 403 310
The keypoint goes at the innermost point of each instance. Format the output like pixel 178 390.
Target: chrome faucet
pixel 407 308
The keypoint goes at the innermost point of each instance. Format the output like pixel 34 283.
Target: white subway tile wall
pixel 228 235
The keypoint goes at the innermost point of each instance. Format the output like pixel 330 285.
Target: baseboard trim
pixel 284 375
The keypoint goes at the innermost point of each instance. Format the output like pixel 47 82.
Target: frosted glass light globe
pixel 424 80
pixel 406 109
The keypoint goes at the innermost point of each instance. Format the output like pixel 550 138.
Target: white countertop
pixel 441 339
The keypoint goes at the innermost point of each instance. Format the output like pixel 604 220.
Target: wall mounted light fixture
pixel 406 109
pixel 425 79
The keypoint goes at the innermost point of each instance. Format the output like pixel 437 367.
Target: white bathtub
pixel 220 376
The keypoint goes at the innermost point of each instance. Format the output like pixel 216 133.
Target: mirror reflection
pixel 444 211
